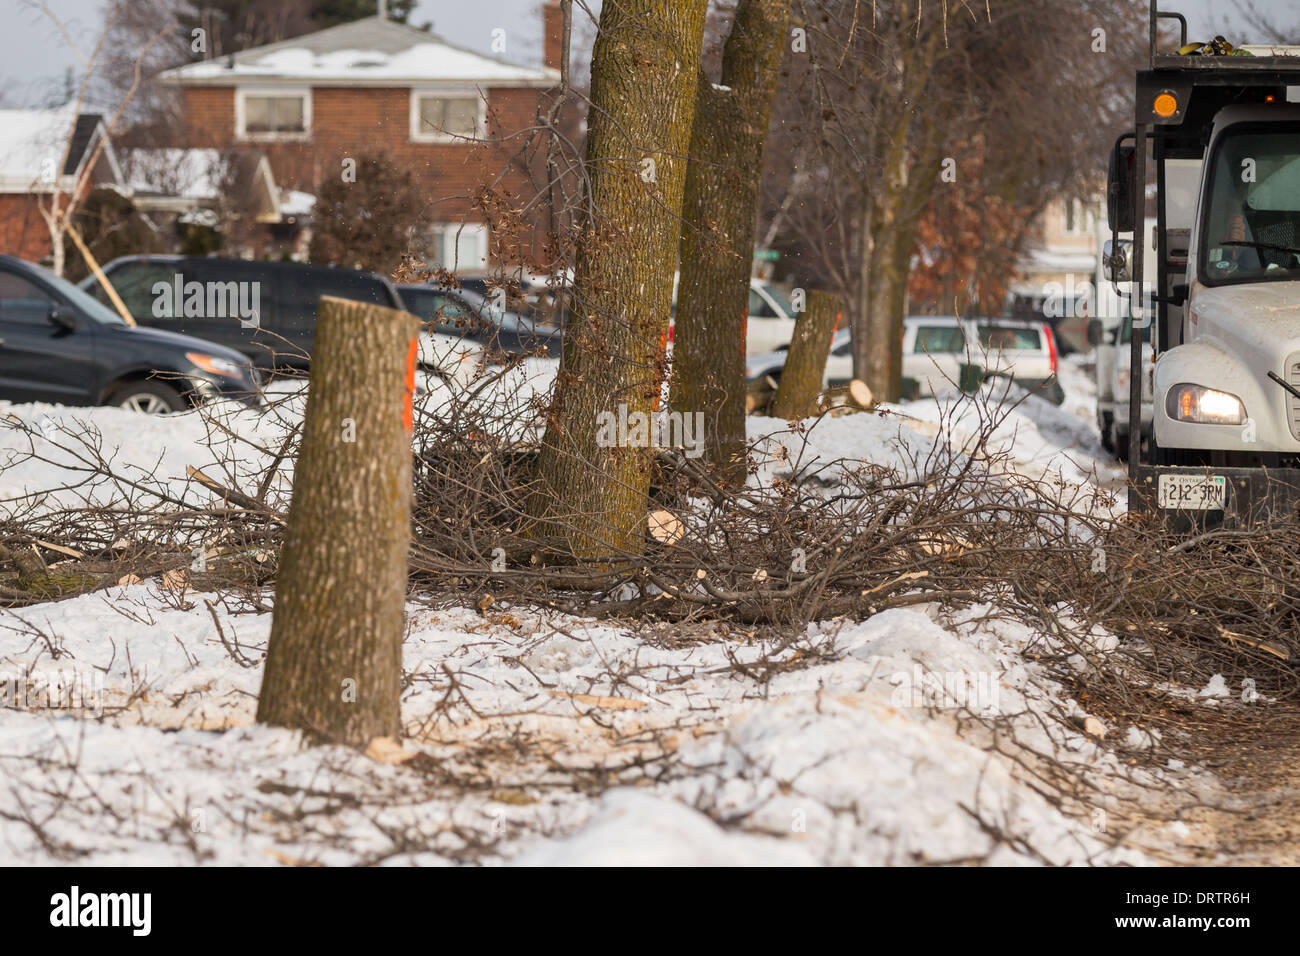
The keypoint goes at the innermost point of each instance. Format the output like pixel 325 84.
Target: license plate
pixel 1192 492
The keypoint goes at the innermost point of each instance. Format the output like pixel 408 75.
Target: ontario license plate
pixel 1192 492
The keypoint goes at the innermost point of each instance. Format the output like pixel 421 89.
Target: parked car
pixel 839 364
pixel 535 299
pixel 935 348
pixel 469 316
pixel 769 321
pixel 266 310
pixel 1024 351
pixel 60 345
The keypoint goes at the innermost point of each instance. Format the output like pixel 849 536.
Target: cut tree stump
pixel 334 661
pixel 801 378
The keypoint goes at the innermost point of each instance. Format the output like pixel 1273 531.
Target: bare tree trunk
pixel 862 338
pixel 643 75
pixel 334 662
pixel 801 378
pixel 720 213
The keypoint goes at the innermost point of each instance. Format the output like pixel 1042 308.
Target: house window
pixel 273 115
pixel 458 247
pixel 442 118
pixel 1078 218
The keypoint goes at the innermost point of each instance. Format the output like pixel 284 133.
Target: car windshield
pixel 508 320
pixel 1252 229
pixel 780 298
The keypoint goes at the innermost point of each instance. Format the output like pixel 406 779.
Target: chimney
pixel 552 34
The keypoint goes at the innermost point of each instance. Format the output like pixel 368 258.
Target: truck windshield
pixel 1252 227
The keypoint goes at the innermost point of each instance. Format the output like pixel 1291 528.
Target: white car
pixel 936 347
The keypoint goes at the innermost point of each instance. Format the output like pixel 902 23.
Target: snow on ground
pixel 567 741
pixel 537 738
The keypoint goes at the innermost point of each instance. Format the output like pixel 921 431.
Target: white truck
pixel 1225 445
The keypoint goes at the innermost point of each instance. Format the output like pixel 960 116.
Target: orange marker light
pixel 1185 403
pixel 1165 105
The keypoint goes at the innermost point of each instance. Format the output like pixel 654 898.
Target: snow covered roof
pixel 32 143
pixel 189 173
pixel 369 52
pixel 293 202
pixel 184 180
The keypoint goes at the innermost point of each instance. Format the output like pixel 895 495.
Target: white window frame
pixel 480 114
pixel 444 231
pixel 1082 212
pixel 242 92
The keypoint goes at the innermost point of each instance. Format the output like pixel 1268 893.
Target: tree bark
pixel 334 661
pixel 801 378
pixel 643 75
pixel 719 220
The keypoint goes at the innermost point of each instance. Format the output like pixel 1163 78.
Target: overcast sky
pixel 34 59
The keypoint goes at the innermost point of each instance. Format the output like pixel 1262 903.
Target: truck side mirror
pixel 1117 260
pixel 1096 331
pixel 1121 186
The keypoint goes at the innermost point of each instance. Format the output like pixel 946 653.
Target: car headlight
pixel 217 366
pixel 1204 406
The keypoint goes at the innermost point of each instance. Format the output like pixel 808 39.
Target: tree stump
pixel 801 378
pixel 334 661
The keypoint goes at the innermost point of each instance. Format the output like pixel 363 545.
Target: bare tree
pixel 891 106
pixel 58 205
pixel 643 80
pixel 719 218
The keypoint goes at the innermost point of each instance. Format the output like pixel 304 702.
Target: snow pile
pixel 518 722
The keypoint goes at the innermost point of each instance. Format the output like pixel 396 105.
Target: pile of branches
pixel 807 538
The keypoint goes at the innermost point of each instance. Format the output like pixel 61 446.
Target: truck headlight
pixel 1204 406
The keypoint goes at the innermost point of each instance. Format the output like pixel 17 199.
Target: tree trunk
pixel 643 74
pixel 719 219
pixel 334 661
pixel 801 378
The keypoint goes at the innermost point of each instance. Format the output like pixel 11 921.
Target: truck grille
pixel 1293 403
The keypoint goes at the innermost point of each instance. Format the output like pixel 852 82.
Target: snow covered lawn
pixel 537 738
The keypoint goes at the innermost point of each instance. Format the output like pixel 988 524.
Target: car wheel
pixel 1107 442
pixel 1120 441
pixel 150 398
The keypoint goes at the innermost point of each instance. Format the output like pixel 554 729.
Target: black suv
pixel 267 310
pixel 59 345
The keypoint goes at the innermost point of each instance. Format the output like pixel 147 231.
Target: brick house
pixel 1058 272
pixel 444 113
pixel 32 143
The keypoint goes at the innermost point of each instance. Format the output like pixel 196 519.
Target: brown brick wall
pixel 353 121
pixel 23 232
